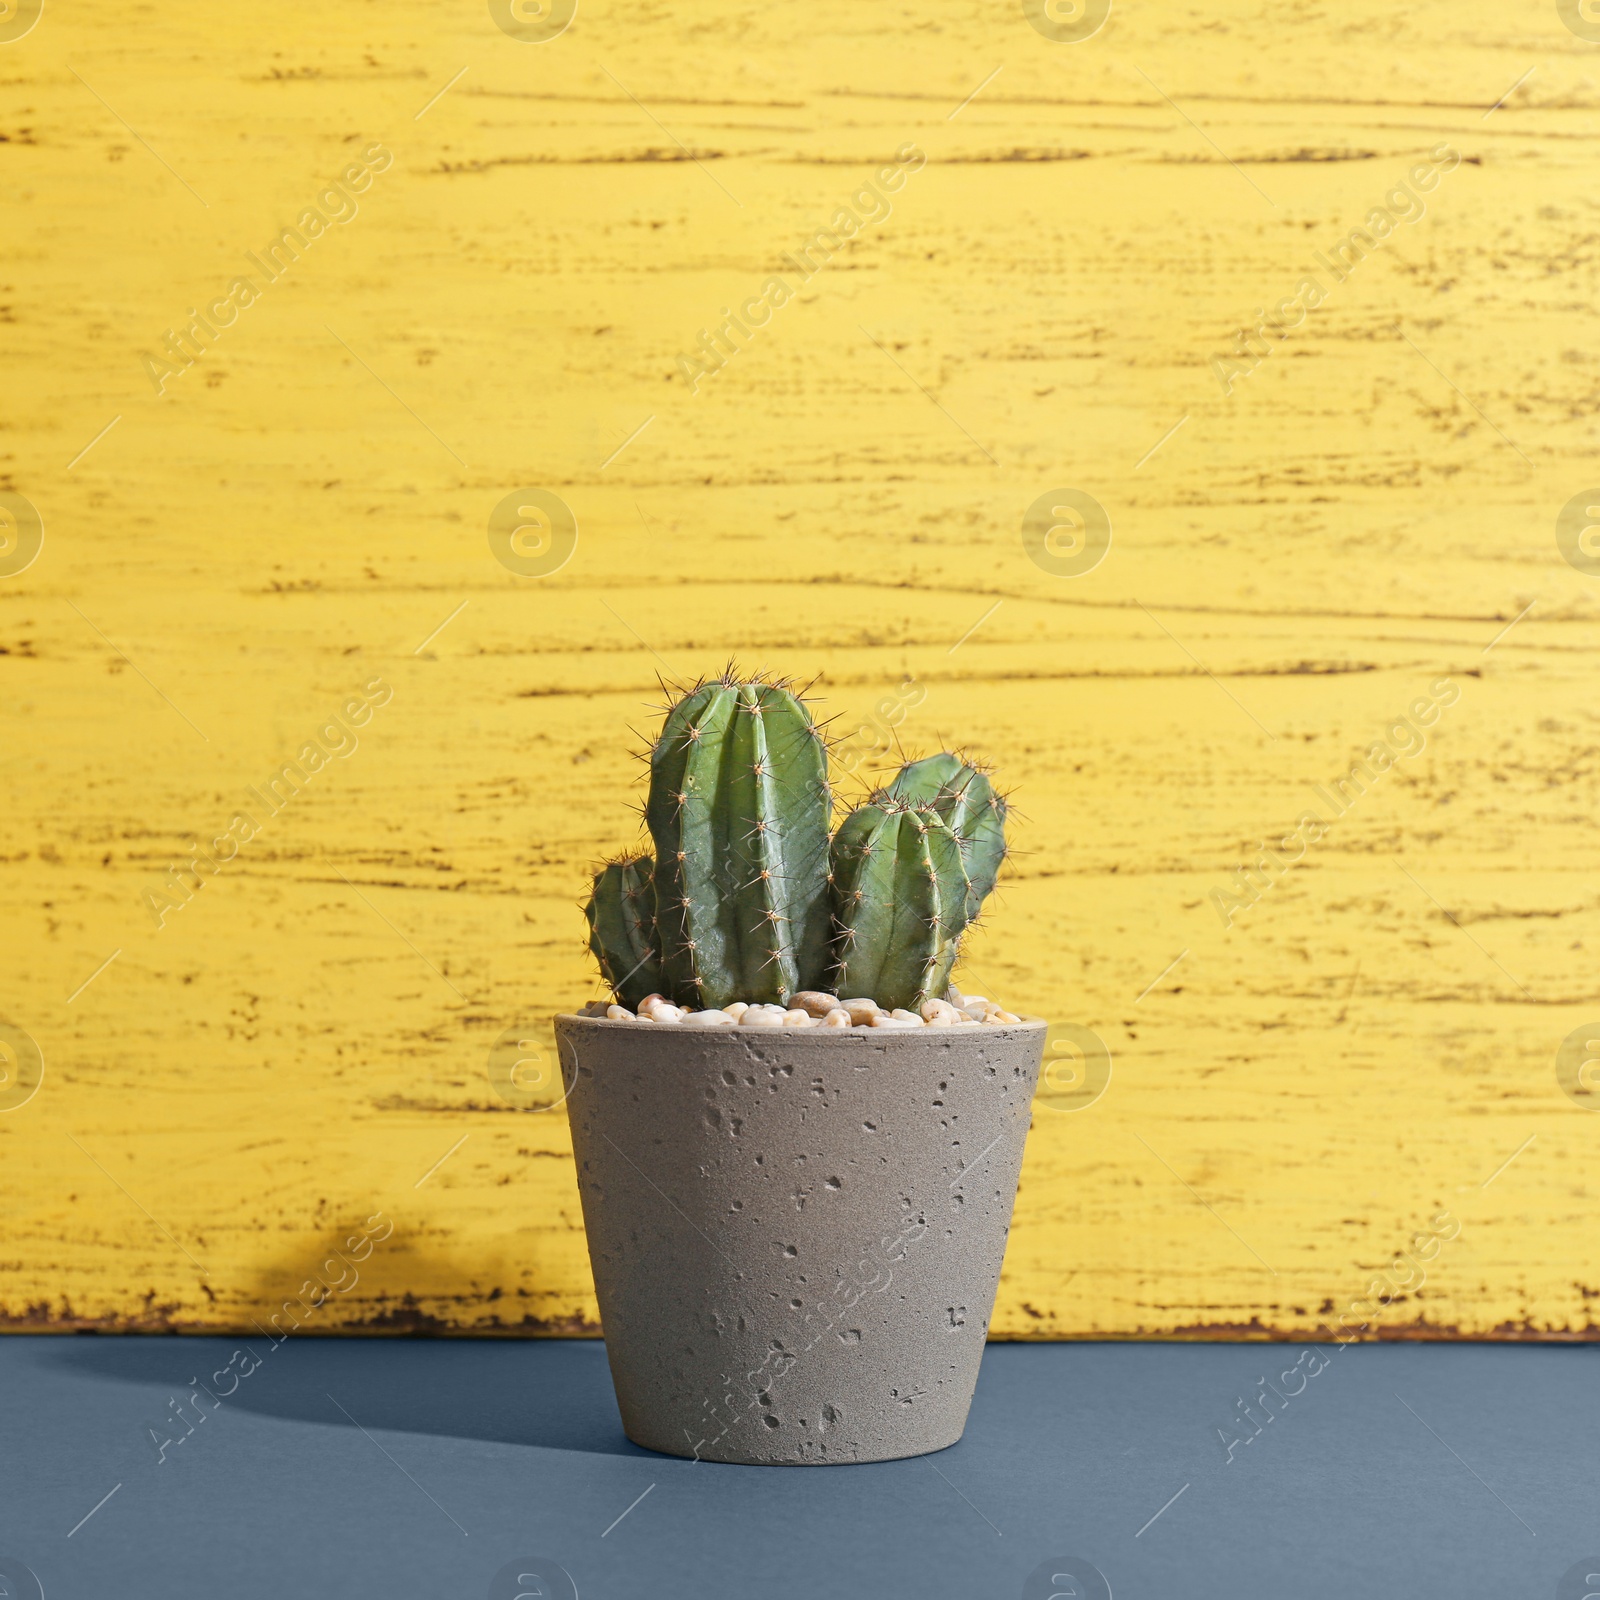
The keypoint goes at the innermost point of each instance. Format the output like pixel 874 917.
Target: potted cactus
pixel 797 1144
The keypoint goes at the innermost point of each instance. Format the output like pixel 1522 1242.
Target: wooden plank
pixel 1044 302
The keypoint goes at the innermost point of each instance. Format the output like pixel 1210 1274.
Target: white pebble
pixel 813 1002
pixel 813 1009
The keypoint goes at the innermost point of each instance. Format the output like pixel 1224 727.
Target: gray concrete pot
pixel 796 1234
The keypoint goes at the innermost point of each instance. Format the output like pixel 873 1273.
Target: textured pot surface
pixel 796 1234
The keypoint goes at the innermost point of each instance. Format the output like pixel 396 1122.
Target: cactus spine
pixel 901 893
pixel 739 808
pixel 622 928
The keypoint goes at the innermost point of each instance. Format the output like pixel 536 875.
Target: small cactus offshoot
pixel 966 800
pixel 622 928
pixel 901 896
pixel 747 896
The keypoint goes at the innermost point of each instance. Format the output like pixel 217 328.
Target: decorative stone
pixel 814 1002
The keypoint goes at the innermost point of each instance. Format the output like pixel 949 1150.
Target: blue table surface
pixel 492 1469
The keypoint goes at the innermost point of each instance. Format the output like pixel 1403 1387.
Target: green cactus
pixel 965 798
pixel 622 928
pixel 747 899
pixel 739 808
pixel 900 897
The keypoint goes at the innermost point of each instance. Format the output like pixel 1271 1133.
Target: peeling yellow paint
pixel 1052 296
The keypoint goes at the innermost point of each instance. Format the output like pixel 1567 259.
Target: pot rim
pixel 700 1030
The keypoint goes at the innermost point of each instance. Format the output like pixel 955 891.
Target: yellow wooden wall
pixel 307 508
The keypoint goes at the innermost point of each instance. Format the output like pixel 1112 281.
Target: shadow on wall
pixel 375 1277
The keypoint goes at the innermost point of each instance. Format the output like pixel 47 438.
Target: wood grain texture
pixel 301 510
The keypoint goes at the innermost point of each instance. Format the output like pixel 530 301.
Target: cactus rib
pixel 739 809
pixel 900 902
